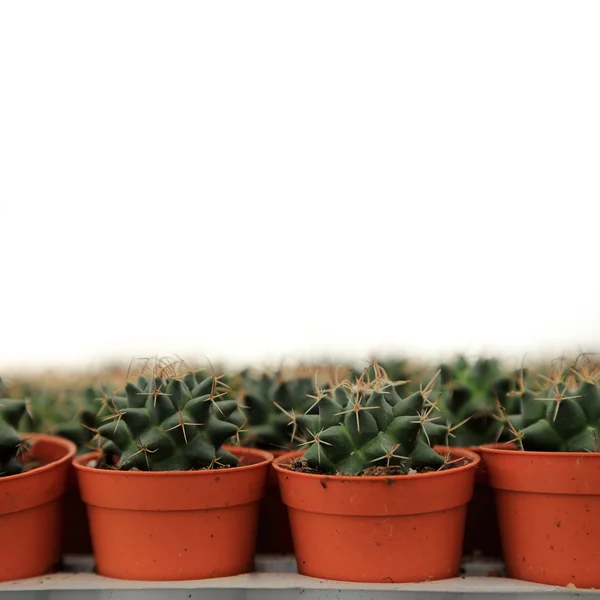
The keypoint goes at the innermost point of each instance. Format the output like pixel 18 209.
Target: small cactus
pixel 364 423
pixel 470 395
pixel 564 417
pixel 11 442
pixel 270 406
pixel 166 422
pixel 85 419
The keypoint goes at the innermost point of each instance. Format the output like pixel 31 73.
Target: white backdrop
pixel 249 180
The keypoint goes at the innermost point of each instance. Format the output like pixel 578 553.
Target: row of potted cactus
pixel 377 473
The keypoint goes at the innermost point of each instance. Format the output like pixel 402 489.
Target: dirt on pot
pixel 31 462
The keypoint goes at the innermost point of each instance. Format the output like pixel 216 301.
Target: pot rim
pixel 267 458
pixel 459 452
pixel 43 437
pixel 498 450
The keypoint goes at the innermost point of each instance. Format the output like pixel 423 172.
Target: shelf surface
pixel 275 578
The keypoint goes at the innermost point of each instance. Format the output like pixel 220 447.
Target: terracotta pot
pixel 175 525
pixel 548 507
pixel 482 536
pixel 274 533
pixel 76 537
pixel 397 529
pixel 31 511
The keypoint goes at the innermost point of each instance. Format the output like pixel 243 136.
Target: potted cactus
pixel 65 408
pixel 267 408
pixel 370 499
pixel 470 396
pixel 33 472
pixel 547 482
pixel 82 406
pixel 164 489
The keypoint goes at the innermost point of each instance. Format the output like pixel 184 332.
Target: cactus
pixel 11 442
pixel 83 418
pixel 564 417
pixel 364 423
pixel 67 411
pixel 270 405
pixel 470 397
pixel 166 422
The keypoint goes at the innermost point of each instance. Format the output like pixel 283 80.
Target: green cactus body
pixel 168 423
pixel 564 418
pixel 470 396
pixel 364 424
pixel 11 442
pixel 271 406
pixel 83 410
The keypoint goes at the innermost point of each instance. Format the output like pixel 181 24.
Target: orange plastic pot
pixel 274 533
pixel 76 537
pixel 405 528
pixel 482 536
pixel 31 511
pixel 548 507
pixel 175 525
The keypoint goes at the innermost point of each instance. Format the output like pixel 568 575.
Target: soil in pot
pixel 31 509
pixel 548 507
pixel 174 525
pixel 381 529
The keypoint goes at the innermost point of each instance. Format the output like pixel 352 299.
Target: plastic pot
pixel 31 511
pixel 405 528
pixel 548 507
pixel 174 525
pixel 482 536
pixel 76 537
pixel 274 533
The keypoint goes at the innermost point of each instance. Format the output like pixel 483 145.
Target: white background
pixel 249 180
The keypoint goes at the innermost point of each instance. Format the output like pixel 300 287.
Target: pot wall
pixel 31 511
pixel 378 529
pixel 549 514
pixel 176 525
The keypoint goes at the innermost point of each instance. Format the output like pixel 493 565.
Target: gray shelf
pixel 275 578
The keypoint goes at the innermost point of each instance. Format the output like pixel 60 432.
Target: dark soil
pixel 31 462
pixel 109 463
pixel 382 471
pixel 301 466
